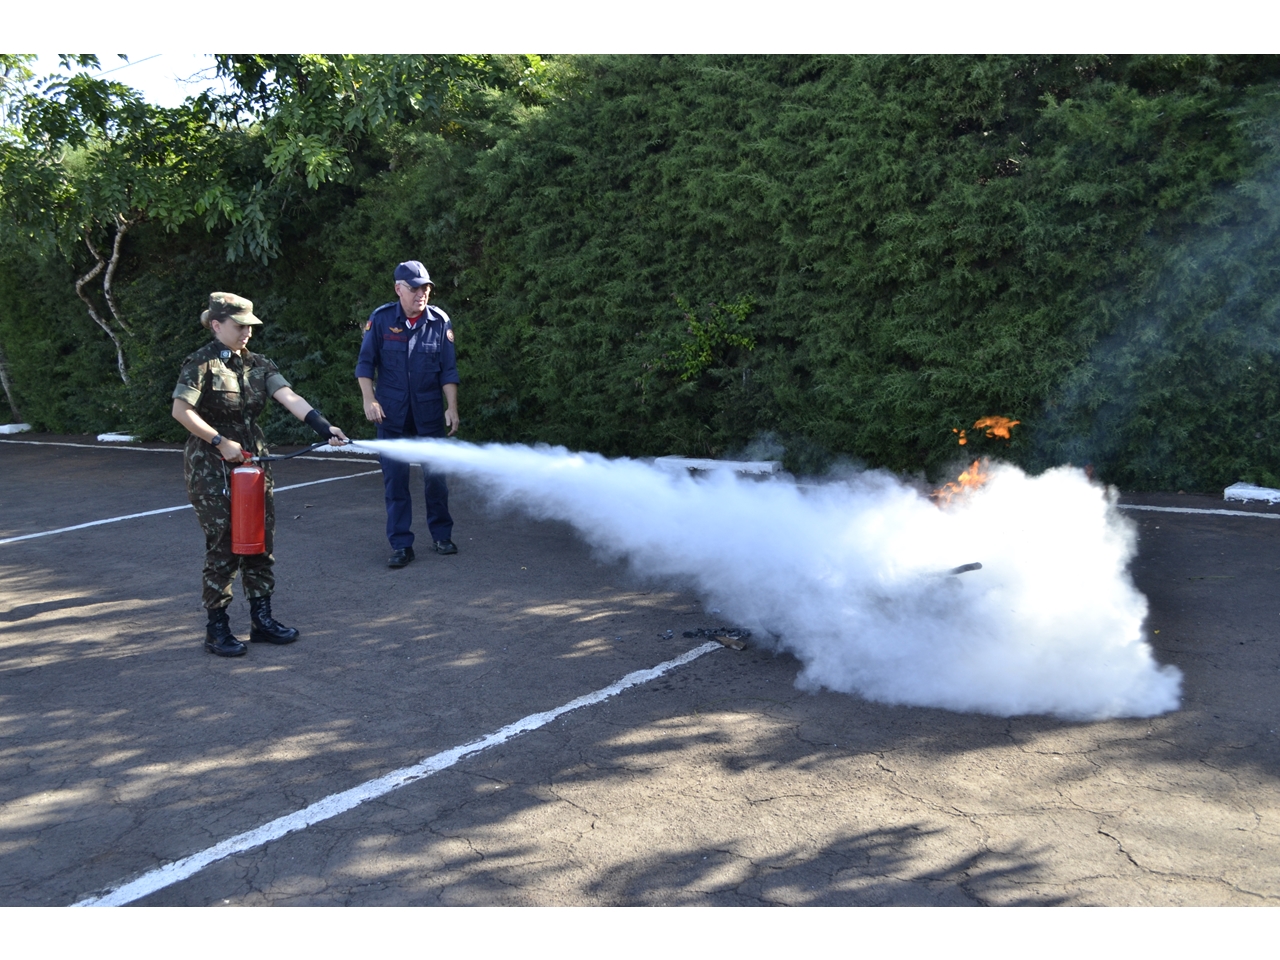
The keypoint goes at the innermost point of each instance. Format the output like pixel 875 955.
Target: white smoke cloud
pixel 852 576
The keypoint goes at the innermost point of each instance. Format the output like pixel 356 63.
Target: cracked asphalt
pixel 124 746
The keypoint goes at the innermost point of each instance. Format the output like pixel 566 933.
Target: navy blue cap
pixel 413 273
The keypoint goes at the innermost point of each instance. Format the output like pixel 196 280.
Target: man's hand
pixel 337 438
pixel 372 408
pixel 451 418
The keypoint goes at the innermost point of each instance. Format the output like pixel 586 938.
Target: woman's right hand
pixel 231 451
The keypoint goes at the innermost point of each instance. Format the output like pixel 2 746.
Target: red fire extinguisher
pixel 249 502
pixel 248 509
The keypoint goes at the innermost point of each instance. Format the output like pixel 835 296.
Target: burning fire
pixel 991 426
pixel 997 426
pixel 971 479
pixel 976 475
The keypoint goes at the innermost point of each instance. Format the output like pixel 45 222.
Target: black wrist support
pixel 316 421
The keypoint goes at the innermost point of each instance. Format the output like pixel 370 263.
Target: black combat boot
pixel 219 638
pixel 266 630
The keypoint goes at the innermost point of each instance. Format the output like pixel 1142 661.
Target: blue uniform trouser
pixel 395 479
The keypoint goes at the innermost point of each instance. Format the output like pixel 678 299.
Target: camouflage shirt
pixel 229 391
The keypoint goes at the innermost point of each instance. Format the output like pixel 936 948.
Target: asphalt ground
pixel 125 747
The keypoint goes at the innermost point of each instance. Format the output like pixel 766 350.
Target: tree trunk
pixel 8 388
pixel 122 227
pixel 93 311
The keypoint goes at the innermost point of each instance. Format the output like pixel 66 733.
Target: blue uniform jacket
pixel 404 381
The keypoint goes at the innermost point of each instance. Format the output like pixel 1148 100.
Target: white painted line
pixel 94 523
pixel 185 506
pixel 91 446
pixel 312 483
pixel 337 803
pixel 330 459
pixel 1216 513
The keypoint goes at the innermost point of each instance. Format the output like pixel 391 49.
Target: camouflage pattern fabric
pixel 227 306
pixel 208 485
pixel 229 392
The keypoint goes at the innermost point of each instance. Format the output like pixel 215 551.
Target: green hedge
pixel 925 242
pixel 842 257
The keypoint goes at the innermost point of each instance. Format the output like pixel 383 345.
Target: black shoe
pixel 265 629
pixel 445 547
pixel 400 558
pixel 218 637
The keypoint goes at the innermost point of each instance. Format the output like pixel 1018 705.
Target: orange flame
pixel 997 426
pixel 970 480
pixel 991 426
pixel 974 477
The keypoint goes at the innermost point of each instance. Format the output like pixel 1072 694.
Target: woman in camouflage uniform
pixel 221 392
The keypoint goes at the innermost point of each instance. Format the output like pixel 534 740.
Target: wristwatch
pixel 217 439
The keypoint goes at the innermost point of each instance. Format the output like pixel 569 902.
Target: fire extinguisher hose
pixel 287 456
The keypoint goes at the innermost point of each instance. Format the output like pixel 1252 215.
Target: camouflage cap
pixel 227 306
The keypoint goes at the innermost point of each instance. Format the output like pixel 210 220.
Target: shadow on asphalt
pixel 126 746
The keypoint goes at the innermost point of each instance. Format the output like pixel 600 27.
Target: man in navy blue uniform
pixel 408 348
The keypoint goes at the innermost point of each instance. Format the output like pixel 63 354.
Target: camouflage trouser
pixel 208 488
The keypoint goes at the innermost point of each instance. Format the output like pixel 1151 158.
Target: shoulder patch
pixel 368 325
pixel 448 332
